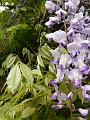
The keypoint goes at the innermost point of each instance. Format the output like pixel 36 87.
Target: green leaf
pixel 17 108
pixel 42 100
pixel 1 35
pixel 38 27
pixel 63 50
pixel 68 103
pixel 80 95
pixel 9 61
pixel 49 76
pixel 23 9
pixel 40 61
pixel 16 27
pixel 1 72
pixel 63 87
pixel 36 72
pixel 13 79
pixel 39 87
pixel 1 102
pixel 9 1
pixel 45 52
pixel 28 112
pixel 25 51
pixel 52 68
pixel 27 73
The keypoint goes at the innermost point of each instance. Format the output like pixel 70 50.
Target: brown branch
pixel 65 23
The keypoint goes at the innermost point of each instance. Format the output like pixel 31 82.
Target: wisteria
pixel 74 38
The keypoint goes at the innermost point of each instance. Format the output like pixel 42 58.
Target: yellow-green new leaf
pixel 27 73
pixel 40 61
pixel 39 87
pixel 52 68
pixel 13 79
pixel 28 112
pixel 36 72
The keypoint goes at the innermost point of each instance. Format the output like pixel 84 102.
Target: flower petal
pixel 83 112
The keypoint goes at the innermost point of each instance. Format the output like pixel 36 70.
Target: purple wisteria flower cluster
pixel 74 63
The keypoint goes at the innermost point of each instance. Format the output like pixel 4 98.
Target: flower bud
pixel 70 95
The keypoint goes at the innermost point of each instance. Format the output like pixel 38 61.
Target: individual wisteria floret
pixel 61 12
pixel 55 55
pixel 50 6
pixel 86 89
pixel 74 64
pixel 58 36
pixel 52 21
pixel 75 76
pixel 77 17
pixel 83 112
pixel 71 6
